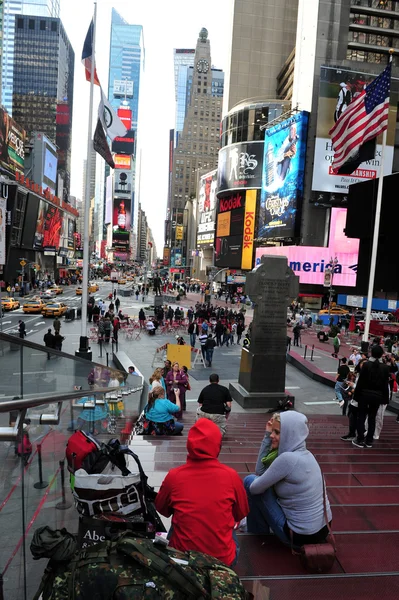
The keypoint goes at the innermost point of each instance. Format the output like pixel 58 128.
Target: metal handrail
pixel 12 339
pixel 23 404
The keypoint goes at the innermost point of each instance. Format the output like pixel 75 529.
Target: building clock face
pixel 202 66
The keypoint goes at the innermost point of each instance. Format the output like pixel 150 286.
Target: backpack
pixel 133 568
pixel 80 446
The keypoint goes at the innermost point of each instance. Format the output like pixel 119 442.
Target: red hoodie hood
pixel 204 440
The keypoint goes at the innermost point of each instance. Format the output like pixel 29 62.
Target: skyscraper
pixel 43 85
pixel 43 8
pixel 198 145
pixel 126 67
pixel 183 59
pixel 262 36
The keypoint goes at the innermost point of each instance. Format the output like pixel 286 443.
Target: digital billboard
pixel 121 223
pixel 338 88
pixel 240 166
pixel 122 161
pixel 49 169
pixel 235 225
pixel 311 262
pixel 12 143
pixel 166 256
pixel 40 225
pixel 53 226
pixel 282 177
pixel 125 144
pixel 71 231
pixel 3 210
pixel 207 209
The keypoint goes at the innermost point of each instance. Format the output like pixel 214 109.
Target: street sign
pixel 22 263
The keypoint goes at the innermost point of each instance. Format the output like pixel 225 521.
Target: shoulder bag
pixel 318 558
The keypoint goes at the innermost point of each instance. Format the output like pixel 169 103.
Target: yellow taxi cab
pixel 54 309
pixel 335 310
pixel 107 278
pixel 129 278
pixel 93 287
pixel 57 289
pixel 9 304
pixel 34 306
pixel 121 281
pixel 79 291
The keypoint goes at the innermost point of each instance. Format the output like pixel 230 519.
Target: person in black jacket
pixel 48 339
pixel 372 390
pixel 193 331
pixel 209 348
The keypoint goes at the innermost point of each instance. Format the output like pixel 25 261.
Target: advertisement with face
pixel 207 209
pixel 71 231
pixel 282 179
pixel 121 223
pixel 40 225
pixel 338 88
pixel 240 166
pixel 311 262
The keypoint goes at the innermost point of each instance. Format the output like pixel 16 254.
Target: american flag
pixel 87 55
pixel 364 119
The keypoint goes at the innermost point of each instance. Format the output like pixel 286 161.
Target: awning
pixel 304 295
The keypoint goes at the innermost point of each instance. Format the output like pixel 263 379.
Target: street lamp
pixel 333 263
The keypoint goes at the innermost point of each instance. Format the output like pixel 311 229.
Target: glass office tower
pixel 42 8
pixel 43 85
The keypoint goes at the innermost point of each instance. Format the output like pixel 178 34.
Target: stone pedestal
pixel 261 383
pixel 158 301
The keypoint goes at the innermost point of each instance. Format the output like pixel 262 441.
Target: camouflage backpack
pixel 133 568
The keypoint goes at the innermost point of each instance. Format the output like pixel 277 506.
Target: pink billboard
pixel 310 262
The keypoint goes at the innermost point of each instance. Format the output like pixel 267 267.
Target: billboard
pixel 52 226
pixel 123 88
pixel 166 256
pixel 207 209
pixel 3 211
pixel 12 141
pixel 125 144
pixel 125 115
pixel 71 231
pixel 123 182
pixel 235 230
pixel 282 177
pixel 108 201
pixel 240 166
pixel 311 262
pixel 122 161
pixel 121 223
pixel 50 162
pixel 338 87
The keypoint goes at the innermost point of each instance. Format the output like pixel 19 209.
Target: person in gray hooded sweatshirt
pixel 287 490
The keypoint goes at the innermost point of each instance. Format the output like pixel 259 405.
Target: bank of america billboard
pixel 282 177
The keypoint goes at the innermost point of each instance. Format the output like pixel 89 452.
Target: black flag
pixel 100 145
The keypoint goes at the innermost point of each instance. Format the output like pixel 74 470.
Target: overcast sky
pixel 167 24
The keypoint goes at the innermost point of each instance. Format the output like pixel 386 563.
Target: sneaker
pixel 376 437
pixel 367 445
pixel 358 444
pixel 341 403
pixel 348 438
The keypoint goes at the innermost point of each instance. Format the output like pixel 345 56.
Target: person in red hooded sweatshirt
pixel 204 497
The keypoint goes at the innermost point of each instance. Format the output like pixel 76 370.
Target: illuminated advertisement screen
pixel 12 143
pixel 229 230
pixel 207 210
pixel 310 262
pixel 122 161
pixel 53 226
pixel 121 223
pixel 49 169
pixel 282 177
pixel 40 224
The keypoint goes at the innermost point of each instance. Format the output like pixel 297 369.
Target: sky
pixel 167 24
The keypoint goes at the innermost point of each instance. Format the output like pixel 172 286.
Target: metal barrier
pixel 306 349
pixel 311 355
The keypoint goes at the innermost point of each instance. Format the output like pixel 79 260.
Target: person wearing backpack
pixel 204 514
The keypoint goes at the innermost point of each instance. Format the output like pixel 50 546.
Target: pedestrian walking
pixel 58 339
pixel 21 329
pixel 56 325
pixel 117 304
pixel 48 339
pixel 209 348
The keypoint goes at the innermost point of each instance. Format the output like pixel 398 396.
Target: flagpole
pixel 376 234
pixel 84 342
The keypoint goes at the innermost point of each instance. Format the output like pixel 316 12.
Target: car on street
pixel 34 306
pixel 107 278
pixel 93 287
pixel 79 291
pixel 121 281
pixel 57 289
pixel 335 310
pixel 9 304
pixel 54 309
pixel 48 294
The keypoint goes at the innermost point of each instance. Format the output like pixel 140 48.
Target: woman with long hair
pixel 176 379
pixel 160 412
pixel 157 379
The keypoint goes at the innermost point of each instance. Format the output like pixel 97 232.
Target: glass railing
pixel 43 400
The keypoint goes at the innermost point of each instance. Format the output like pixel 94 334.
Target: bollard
pixel 311 356
pixel 64 504
pixel 1 587
pixel 306 349
pixel 40 485
pixel 101 347
pixel 107 358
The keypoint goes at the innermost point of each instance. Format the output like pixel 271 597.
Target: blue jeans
pixel 265 512
pixel 209 355
pixel 192 339
pixel 178 428
pixel 338 390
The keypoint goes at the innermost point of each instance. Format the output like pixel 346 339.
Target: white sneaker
pixel 341 403
pixel 376 437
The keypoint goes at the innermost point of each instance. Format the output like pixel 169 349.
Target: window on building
pixel 54 26
pixel 42 25
pixel 20 23
pixel 31 24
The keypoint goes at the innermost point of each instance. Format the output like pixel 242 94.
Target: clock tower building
pixel 197 148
